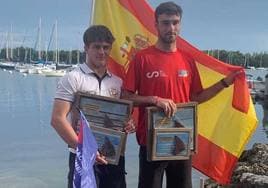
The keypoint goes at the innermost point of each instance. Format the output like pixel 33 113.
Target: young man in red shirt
pixel 162 75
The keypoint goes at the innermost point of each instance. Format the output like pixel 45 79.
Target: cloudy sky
pixel 207 24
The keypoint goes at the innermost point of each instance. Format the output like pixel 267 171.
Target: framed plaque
pixel 110 142
pixel 103 111
pixel 170 144
pixel 185 117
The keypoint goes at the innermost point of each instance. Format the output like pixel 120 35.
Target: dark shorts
pixel 178 173
pixel 112 176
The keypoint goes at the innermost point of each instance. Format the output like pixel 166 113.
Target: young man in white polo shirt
pixel 91 77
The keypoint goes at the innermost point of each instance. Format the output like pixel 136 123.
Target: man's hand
pixel 167 105
pixel 229 79
pixel 100 159
pixel 130 126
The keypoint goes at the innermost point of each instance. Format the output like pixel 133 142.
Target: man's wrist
pixel 224 83
pixel 155 100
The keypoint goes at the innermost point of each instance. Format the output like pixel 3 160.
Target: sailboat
pixel 8 65
pixel 55 73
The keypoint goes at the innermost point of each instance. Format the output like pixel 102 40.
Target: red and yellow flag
pixel 225 123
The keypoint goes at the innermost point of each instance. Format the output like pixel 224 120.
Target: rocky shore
pixel 251 170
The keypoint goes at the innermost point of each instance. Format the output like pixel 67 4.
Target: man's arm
pixel 213 90
pixel 60 123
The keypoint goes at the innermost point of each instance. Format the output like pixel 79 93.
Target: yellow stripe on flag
pixel 130 36
pixel 220 122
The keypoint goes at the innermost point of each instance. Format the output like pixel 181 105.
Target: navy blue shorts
pixel 178 173
pixel 112 176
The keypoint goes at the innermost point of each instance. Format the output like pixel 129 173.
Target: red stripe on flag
pixel 241 95
pixel 146 16
pixel 116 68
pixel 214 161
pixel 142 11
pixel 204 59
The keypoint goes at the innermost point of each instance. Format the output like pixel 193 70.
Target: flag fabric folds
pixel 225 123
pixel 85 157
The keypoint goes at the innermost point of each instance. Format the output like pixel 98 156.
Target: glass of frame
pixel 103 111
pixel 110 143
pixel 171 144
pixel 185 117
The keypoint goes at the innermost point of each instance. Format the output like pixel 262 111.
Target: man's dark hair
pixel 98 33
pixel 169 8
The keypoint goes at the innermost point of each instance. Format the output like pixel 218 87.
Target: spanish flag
pixel 225 122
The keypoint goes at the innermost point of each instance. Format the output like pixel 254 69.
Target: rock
pixel 254 179
pixel 251 170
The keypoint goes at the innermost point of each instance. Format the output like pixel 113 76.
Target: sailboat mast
pixel 261 60
pixel 70 56
pixel 78 57
pixel 46 47
pixel 11 43
pixel 245 63
pixel 7 45
pixel 56 41
pixel 39 39
pixel 92 12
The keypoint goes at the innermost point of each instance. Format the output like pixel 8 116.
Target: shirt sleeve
pixel 66 88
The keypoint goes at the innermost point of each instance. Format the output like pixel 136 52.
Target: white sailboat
pixel 8 64
pixel 55 73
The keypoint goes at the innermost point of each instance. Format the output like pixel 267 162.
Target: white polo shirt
pixel 83 79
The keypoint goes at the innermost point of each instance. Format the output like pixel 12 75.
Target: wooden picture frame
pixel 110 143
pixel 103 111
pixel 185 117
pixel 170 144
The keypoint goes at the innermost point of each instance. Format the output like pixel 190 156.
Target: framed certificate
pixel 110 142
pixel 103 111
pixel 185 117
pixel 170 144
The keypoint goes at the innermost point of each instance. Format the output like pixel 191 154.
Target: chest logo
pixel 182 73
pixel 114 93
pixel 156 74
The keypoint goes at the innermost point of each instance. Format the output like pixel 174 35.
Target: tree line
pixel 241 59
pixel 27 55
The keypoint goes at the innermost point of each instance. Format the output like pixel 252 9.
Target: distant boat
pixel 55 73
pixel 256 86
pixel 251 67
pixel 60 66
pixel 261 68
pixel 7 65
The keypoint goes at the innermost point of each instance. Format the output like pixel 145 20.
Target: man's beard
pixel 168 39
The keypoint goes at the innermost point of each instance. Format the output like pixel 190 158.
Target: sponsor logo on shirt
pixel 114 92
pixel 156 74
pixel 182 73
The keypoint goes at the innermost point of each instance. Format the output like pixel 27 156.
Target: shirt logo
pixel 182 73
pixel 156 74
pixel 114 93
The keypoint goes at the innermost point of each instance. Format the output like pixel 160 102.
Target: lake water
pixel 32 154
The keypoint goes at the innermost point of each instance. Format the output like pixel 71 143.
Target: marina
pixel 41 41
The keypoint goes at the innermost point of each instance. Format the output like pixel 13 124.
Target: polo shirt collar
pixel 87 70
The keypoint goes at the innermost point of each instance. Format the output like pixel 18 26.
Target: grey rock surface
pixel 251 170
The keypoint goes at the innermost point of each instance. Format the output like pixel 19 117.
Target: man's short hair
pixel 98 33
pixel 169 8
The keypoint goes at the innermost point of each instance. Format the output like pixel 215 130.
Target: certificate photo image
pixel 172 144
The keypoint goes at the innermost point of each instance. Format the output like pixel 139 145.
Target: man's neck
pixel 166 47
pixel 100 71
